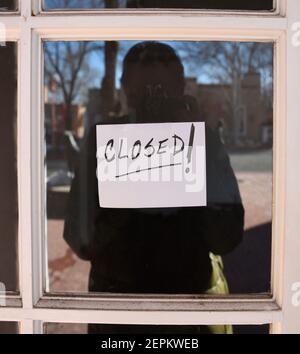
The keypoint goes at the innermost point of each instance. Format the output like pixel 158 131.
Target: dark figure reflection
pixel 155 250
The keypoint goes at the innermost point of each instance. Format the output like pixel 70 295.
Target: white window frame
pixel 32 308
pixel 38 8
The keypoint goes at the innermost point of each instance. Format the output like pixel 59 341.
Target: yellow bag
pixel 218 286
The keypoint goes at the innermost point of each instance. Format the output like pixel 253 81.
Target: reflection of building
pixel 55 120
pixel 240 109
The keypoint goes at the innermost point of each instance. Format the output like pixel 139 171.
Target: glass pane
pixel 72 328
pixel 161 4
pixel 8 5
pixel 9 328
pixel 176 250
pixel 8 173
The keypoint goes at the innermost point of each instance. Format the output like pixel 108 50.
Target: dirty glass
pixel 223 247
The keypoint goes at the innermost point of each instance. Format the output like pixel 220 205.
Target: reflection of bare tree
pixel 84 4
pixel 73 3
pixel 66 62
pixel 227 63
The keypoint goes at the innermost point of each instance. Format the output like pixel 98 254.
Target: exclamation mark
pixel 190 149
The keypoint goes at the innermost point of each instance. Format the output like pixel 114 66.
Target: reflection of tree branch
pixel 227 63
pixel 229 59
pixel 66 60
pixel 55 65
pixel 68 4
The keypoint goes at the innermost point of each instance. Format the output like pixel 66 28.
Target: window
pixel 73 328
pixel 254 118
pixel 8 5
pixel 266 5
pixel 9 328
pixel 229 91
pixel 8 174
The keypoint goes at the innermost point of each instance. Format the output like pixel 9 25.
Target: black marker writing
pixel 176 149
pixel 120 152
pixel 190 149
pixel 148 169
pixel 111 145
pixel 161 150
pixel 150 146
pixel 137 146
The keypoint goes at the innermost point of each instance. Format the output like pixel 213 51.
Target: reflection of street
pixel 252 161
pixel 254 174
pixel 66 271
pixel 248 267
pixel 256 191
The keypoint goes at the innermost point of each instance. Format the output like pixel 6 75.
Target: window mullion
pixel 24 160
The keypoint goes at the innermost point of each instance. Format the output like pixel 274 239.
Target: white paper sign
pixel 151 165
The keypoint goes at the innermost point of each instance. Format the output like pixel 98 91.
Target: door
pixel 75 70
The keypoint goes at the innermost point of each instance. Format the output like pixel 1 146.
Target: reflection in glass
pixel 229 85
pixel 8 172
pixel 163 4
pixel 72 328
pixel 8 5
pixel 9 328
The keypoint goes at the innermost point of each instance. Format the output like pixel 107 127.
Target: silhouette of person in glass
pixel 154 251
